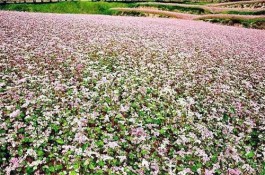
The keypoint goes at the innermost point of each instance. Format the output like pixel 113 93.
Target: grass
pixel 192 10
pixel 158 12
pixel 248 23
pixel 195 3
pixel 78 7
pixel 181 2
pixel 262 12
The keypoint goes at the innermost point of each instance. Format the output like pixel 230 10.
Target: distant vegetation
pixel 169 7
pixel 82 7
pixel 77 7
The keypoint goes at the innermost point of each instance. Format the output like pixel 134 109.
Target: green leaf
pixel 101 163
pixel 2 131
pixel 20 150
pixel 40 153
pixel 27 140
pixel 85 146
pixel 100 143
pixel 162 131
pixel 76 166
pixel 141 113
pixel 91 166
pixel 99 172
pixel 30 170
pixel 115 138
pixel 58 167
pixel 51 169
pixel 149 90
pixel 21 130
pixel 232 109
pixel 98 129
pixel 225 117
pixel 60 141
pixel 250 154
pixel 144 152
pixel 132 156
pixel 214 158
pixel 55 128
pixel 73 173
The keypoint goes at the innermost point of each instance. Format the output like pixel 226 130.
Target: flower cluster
pixel 85 94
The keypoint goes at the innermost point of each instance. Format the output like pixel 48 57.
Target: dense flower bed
pixel 124 95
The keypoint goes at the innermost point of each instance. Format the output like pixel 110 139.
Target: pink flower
pixel 15 162
pixel 156 133
pixel 239 107
pixel 155 168
pixel 59 87
pixel 23 80
pixel 104 80
pixel 208 172
pixel 112 145
pixel 79 67
pixel 124 108
pixel 181 153
pixel 15 113
pixel 185 171
pixel 80 137
pixel 138 132
pixel 234 171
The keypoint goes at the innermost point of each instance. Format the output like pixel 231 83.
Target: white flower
pixel 112 145
pixel 182 102
pixel 185 171
pixel 26 104
pixel 106 157
pixel 15 113
pixel 145 163
pixel 124 108
pixel 2 84
pixel 122 158
pixel 80 137
pixel 106 119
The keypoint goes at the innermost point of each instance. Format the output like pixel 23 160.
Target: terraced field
pixel 91 94
pixel 244 13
